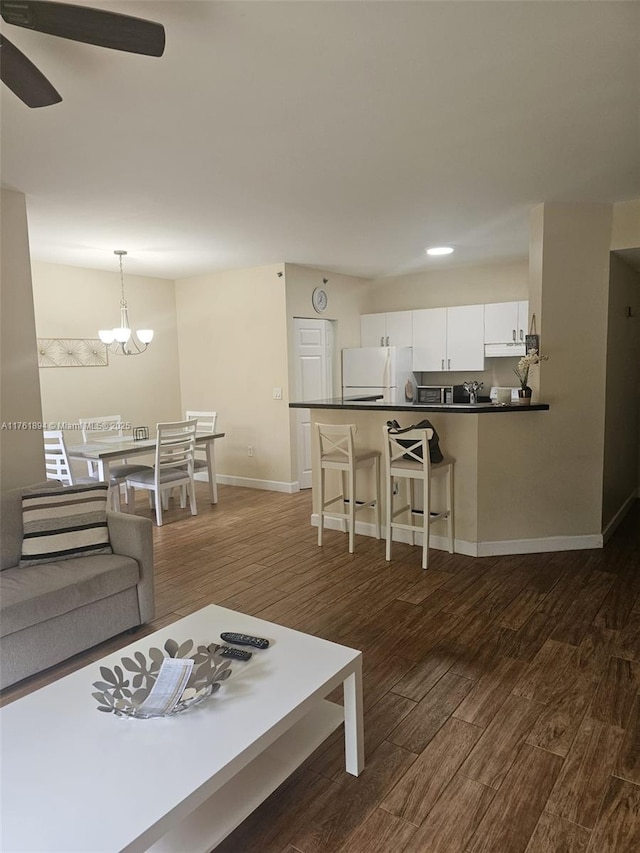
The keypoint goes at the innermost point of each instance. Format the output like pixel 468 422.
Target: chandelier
pixel 122 340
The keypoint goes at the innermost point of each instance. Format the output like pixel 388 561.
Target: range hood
pixel 514 350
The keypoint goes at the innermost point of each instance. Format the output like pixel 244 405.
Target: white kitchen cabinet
pixel 465 337
pixel 373 328
pixel 429 332
pixel 447 339
pixel 506 323
pixel 398 329
pixel 392 329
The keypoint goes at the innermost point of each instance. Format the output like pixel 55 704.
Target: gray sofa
pixel 52 611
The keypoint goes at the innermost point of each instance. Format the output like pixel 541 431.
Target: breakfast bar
pixel 488 443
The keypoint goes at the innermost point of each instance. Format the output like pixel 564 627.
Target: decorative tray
pixel 137 688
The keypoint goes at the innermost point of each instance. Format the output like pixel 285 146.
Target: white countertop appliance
pixel 377 370
pixel 495 396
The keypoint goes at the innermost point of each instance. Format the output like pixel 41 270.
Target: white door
pixel 313 381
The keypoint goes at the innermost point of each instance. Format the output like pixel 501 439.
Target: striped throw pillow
pixel 60 524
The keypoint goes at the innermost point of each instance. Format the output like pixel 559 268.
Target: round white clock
pixel 319 300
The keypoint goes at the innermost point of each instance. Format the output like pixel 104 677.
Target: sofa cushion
pixel 31 594
pixel 11 521
pixel 62 524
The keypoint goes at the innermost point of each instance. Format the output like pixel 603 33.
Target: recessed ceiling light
pixel 439 250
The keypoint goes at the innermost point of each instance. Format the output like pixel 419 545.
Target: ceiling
pixel 346 136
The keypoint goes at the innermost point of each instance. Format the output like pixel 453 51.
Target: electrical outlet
pixel 277 393
pixel 250 450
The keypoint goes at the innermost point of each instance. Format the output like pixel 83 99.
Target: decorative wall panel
pixel 72 352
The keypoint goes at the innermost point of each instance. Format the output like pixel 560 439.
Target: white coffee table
pixel 76 780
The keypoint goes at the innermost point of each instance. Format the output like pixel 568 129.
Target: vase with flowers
pixel 522 372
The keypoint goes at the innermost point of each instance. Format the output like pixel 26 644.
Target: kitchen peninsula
pixel 491 469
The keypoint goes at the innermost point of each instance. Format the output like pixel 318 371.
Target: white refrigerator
pixel 377 370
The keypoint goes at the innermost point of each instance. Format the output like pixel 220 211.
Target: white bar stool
pixel 407 459
pixel 335 444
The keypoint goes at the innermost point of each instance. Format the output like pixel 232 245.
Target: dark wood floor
pixel 502 704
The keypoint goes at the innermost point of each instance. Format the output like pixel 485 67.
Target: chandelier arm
pixel 121 348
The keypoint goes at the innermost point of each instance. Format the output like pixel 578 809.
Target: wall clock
pixel 319 300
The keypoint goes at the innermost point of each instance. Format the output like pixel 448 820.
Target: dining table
pixel 113 449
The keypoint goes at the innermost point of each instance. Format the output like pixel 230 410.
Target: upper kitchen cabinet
pixel 465 337
pixel 448 338
pixel 505 327
pixel 386 330
pixel 429 338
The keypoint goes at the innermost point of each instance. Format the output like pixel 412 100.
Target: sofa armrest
pixel 132 536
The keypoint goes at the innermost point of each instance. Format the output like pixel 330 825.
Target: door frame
pixel 303 416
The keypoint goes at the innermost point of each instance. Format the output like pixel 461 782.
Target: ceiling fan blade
pixel 23 78
pixel 90 26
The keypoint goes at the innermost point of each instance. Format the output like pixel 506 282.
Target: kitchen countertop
pixel 376 404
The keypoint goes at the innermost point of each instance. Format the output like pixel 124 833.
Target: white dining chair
pixel 110 426
pixel 175 453
pixel 56 460
pixel 206 424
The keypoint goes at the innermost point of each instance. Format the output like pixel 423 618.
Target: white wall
pixel 74 302
pixel 233 353
pixel 21 451
pixel 569 285
pixel 626 225
pixel 446 283
pixel 622 414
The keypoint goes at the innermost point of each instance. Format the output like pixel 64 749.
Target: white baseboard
pixel 539 546
pixel 479 549
pixel 619 516
pixel 267 485
pixel 366 528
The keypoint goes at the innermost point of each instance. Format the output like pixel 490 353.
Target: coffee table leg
pixel 353 722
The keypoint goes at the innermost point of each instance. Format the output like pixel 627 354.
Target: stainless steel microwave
pixel 434 394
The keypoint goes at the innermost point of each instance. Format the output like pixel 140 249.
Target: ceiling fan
pixel 79 23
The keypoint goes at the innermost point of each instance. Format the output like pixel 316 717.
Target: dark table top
pixel 375 404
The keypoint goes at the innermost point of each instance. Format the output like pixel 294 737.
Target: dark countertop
pixel 375 404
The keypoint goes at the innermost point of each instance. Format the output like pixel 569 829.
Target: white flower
pixel 526 363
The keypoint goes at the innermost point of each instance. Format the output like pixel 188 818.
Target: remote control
pixel 237 654
pixel 244 640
